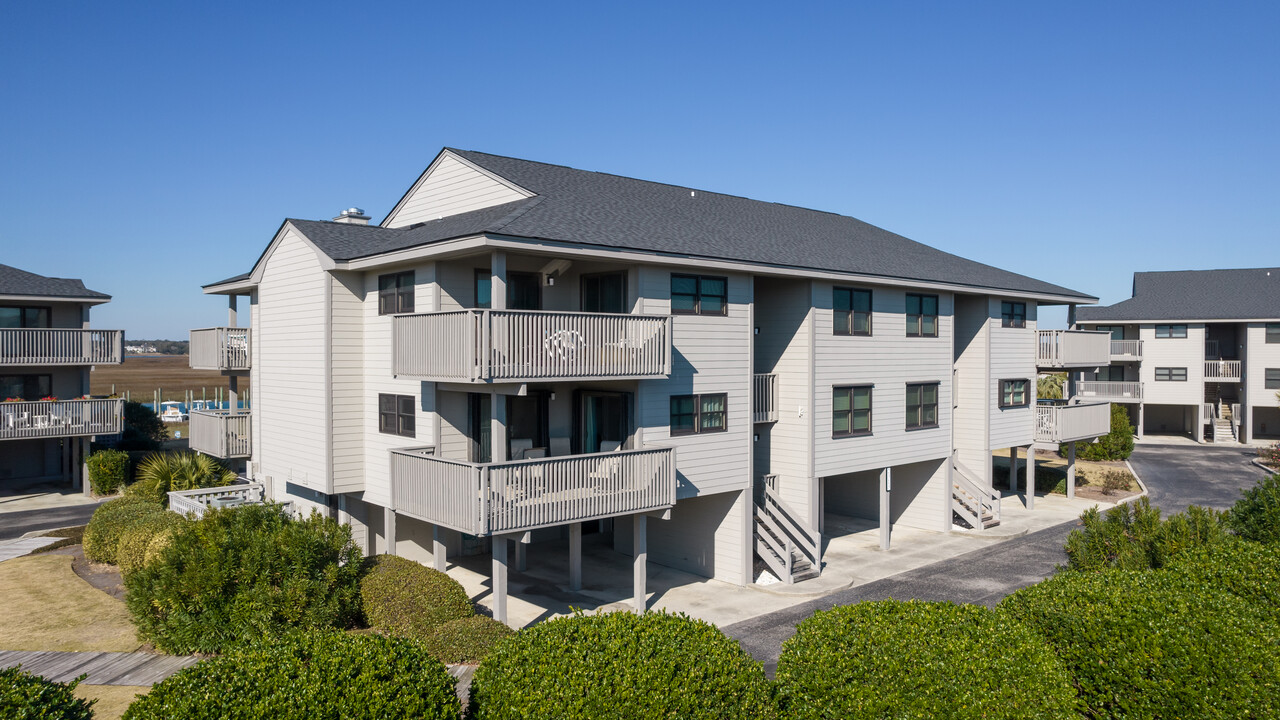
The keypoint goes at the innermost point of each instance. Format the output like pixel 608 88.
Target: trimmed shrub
pixel 109 523
pixel 919 659
pixel 466 640
pixel 242 574
pixel 316 676
pixel 1147 645
pixel 1132 536
pixel 407 599
pixel 1244 568
pixel 30 697
pixel 162 472
pixel 108 471
pixel 620 665
pixel 131 551
pixel 1115 445
pixel 1256 516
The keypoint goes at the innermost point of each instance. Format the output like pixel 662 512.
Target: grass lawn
pixel 113 700
pixel 48 607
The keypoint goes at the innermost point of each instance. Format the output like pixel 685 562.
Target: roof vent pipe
pixel 353 216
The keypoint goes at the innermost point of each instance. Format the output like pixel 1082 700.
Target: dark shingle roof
pixel 20 282
pixel 1246 294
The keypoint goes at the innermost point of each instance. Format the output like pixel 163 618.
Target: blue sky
pixel 150 148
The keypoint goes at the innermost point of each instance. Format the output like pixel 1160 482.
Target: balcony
pixel 194 502
pixel 220 348
pixel 1222 370
pixel 764 397
pixel 221 433
pixel 478 346
pixel 1110 391
pixel 491 498
pixel 1072 349
pixel 1126 350
pixel 60 418
pixel 61 346
pixel 1068 423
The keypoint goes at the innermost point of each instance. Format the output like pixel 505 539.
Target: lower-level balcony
pixel 60 418
pixel 1109 390
pixel 221 433
pixel 1059 423
pixel 504 497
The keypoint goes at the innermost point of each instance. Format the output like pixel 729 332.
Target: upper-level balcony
pixel 1059 423
pixel 529 345
pixel 503 497
pixel 1072 348
pixel 1222 370
pixel 1126 350
pixel 221 433
pixel 60 418
pixel 60 346
pixel 220 348
pixel 1110 391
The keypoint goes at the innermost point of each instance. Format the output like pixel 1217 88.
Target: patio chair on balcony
pixel 560 447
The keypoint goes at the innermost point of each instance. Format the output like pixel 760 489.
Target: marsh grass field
pixel 140 375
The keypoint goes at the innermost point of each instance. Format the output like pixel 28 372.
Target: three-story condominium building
pixel 46 353
pixel 523 351
pixel 1194 352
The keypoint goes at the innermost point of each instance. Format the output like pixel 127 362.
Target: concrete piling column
pixel 439 556
pixel 886 485
pixel 575 556
pixel 639 563
pixel 499 579
pixel 1031 477
pixel 1013 470
pixel 1071 470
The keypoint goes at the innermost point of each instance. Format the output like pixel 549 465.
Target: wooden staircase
pixel 973 503
pixel 788 547
pixel 1224 429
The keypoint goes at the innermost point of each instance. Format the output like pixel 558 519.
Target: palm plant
pixel 1049 386
pixel 162 472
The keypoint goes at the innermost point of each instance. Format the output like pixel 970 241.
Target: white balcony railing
pixel 195 502
pixel 1072 348
pixel 60 418
pixel 1111 391
pixel 764 397
pixel 60 346
pixel 220 348
pixel 221 433
pixel 1068 423
pixel 1222 370
pixel 519 345
pixel 489 498
pixel 1126 349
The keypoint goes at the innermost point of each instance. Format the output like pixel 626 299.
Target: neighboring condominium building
pixel 523 351
pixel 1194 352
pixel 46 353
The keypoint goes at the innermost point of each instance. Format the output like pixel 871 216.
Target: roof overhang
pixel 1176 321
pixel 57 298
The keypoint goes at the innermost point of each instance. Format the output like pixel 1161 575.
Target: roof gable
pixel 449 186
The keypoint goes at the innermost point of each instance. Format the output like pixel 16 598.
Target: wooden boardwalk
pixel 102 668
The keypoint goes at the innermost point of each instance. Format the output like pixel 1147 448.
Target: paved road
pixel 1175 476
pixel 15 524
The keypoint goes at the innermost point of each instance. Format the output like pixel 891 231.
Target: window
pixel 1013 393
pixel 395 293
pixel 26 387
pixel 1171 374
pixel 604 292
pixel 922 315
pixel 24 317
pixel 1272 381
pixel 850 410
pixel 1117 331
pixel 1013 314
pixel 524 290
pixel 852 311
pixel 396 414
pixel 1171 331
pixel 1273 332
pixel 699 414
pixel 922 405
pixel 1115 373
pixel 699 295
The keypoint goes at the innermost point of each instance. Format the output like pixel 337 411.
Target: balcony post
pixel 499 578
pixel 233 391
pixel 575 556
pixel 497 427
pixel 231 311
pixel 498 280
pixel 1071 470
pixel 639 561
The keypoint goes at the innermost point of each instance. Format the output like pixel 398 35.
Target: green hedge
pixel 109 523
pixel 916 659
pixel 317 676
pixel 1115 445
pixel 466 640
pixel 620 665
pixel 242 574
pixel 1244 568
pixel 24 696
pixel 1256 516
pixel 407 599
pixel 1148 645
pixel 1131 536
pixel 108 471
pixel 135 539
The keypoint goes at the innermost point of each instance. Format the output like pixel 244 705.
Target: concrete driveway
pixel 1175 477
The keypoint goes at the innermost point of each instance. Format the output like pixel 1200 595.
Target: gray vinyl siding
pixel 1185 352
pixel 450 188
pixel 1013 357
pixel 918 495
pixel 783 315
pixel 706 536
pixel 711 354
pixel 289 392
pixel 1258 357
pixel 972 328
pixel 888 360
pixel 347 342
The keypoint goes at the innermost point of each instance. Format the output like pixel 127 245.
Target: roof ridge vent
pixel 352 216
